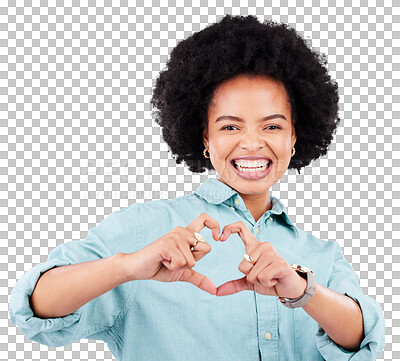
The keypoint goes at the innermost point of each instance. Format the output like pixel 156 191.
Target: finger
pixel 184 248
pixel 199 280
pixel 272 274
pixel 234 286
pixel 248 238
pixel 200 250
pixel 262 264
pixel 204 220
pixel 266 278
pixel 173 259
pixel 267 282
pixel 245 267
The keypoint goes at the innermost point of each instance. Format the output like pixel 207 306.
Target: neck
pixel 257 204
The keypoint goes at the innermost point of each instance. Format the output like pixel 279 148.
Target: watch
pixel 301 301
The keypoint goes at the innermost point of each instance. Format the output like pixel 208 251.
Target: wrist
pixel 123 266
pixel 309 277
pixel 302 286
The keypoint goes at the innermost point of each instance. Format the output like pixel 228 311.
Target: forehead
pixel 244 90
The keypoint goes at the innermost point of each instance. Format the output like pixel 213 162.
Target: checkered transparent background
pixel 78 141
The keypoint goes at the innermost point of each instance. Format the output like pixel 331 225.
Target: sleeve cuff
pixel 21 314
pixel 374 334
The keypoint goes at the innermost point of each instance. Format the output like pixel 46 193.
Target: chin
pixel 249 187
pixel 252 189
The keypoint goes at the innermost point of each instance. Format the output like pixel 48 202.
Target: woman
pixel 249 100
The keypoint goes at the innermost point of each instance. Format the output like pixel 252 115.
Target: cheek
pixel 219 148
pixel 281 148
pixel 280 145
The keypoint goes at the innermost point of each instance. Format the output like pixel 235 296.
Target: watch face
pixel 299 268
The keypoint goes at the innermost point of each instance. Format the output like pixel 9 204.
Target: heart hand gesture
pixel 267 274
pixel 171 257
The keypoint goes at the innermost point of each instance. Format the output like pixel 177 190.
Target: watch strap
pixel 308 292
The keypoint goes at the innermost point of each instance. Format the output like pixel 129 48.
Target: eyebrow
pixel 231 117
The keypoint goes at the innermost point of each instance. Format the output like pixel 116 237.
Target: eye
pixel 270 127
pixel 227 126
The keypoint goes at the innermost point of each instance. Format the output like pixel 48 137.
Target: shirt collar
pixel 216 192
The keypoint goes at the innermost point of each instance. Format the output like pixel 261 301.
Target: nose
pixel 252 141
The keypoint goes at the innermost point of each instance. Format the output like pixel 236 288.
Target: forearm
pixel 62 290
pixel 339 315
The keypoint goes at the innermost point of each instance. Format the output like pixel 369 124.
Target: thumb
pixel 199 280
pixel 231 287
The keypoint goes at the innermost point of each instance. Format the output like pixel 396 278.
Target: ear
pixel 294 136
pixel 205 137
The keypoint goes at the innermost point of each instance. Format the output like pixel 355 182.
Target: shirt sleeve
pixel 345 280
pixel 98 315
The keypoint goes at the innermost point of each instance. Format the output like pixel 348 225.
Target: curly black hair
pixel 242 45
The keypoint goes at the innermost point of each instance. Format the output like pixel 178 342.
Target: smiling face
pixel 250 116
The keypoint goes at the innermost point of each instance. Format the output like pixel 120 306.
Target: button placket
pixel 267 315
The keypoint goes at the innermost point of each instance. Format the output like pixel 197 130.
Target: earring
pixel 293 151
pixel 204 152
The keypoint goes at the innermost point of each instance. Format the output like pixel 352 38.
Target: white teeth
pixel 251 163
pixel 252 166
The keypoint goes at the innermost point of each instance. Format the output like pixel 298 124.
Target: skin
pixel 252 98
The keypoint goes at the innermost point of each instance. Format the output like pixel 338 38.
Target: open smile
pixel 252 171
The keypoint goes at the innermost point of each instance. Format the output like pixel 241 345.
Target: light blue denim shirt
pixel 150 320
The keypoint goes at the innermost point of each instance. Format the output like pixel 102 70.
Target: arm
pixel 62 290
pixel 346 317
pixel 344 280
pixel 53 295
pixel 340 316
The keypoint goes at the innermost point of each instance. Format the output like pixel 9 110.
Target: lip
pixel 252 157
pixel 252 175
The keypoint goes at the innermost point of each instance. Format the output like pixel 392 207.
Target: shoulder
pixel 160 216
pixel 315 244
pixel 184 203
pixel 319 255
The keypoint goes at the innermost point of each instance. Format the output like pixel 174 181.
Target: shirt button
pixel 233 208
pixel 237 202
pixel 271 219
pixel 257 230
pixel 268 335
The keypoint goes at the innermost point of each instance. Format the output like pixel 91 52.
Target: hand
pixel 170 259
pixel 270 275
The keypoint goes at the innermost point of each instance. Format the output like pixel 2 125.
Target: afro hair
pixel 242 45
